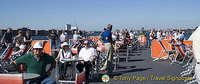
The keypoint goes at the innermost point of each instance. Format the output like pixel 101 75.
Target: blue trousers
pixel 45 81
pixel 148 43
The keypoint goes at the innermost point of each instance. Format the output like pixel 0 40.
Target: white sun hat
pixel 37 45
pixel 64 44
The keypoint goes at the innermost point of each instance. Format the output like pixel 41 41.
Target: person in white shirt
pixel 181 36
pixel 131 34
pixel 159 36
pixel 76 37
pixel 64 53
pixel 114 37
pixel 88 54
pixel 63 37
pixel 176 38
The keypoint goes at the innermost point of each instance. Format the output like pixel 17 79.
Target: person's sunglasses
pixel 37 49
pixel 86 43
pixel 65 46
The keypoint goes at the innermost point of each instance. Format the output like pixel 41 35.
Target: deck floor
pixel 141 65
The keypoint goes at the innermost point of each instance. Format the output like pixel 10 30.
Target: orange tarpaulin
pixel 169 37
pixel 46 44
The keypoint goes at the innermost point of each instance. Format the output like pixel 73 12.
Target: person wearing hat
pixel 37 62
pixel 88 54
pixel 64 53
pixel 101 34
pixel 20 51
pixel 19 39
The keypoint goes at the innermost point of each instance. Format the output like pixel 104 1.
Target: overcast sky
pixel 96 14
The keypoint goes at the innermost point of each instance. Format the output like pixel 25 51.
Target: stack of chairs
pixel 190 69
pixel 4 59
pixel 122 53
pixel 101 58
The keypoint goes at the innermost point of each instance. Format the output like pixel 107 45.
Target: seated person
pixel 27 38
pixel 88 54
pixel 124 46
pixel 183 47
pixel 64 53
pixel 37 62
pixel 19 39
pixel 172 44
pixel 20 51
pixel 134 40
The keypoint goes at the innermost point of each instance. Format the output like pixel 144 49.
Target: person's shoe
pixel 86 81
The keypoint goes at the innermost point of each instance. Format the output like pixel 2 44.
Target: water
pixel 70 36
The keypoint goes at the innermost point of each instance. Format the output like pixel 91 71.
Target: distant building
pixel 74 28
pixel 142 30
pixel 68 27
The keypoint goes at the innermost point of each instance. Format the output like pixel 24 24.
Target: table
pixel 30 76
pixel 73 70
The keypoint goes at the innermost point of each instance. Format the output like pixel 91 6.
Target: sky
pixel 97 14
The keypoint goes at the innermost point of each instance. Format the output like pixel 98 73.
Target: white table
pixel 73 67
pixel 30 76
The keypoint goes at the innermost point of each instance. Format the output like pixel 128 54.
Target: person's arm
pixel 22 41
pixel 27 40
pixel 58 57
pixel 61 39
pixel 48 37
pixel 17 67
pixel 94 57
pixel 56 37
pixel 2 38
pixel 71 54
pixel 51 68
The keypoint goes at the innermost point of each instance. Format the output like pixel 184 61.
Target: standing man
pixel 53 37
pixel 107 38
pixel 152 35
pixel 88 54
pixel 36 62
pixel 7 37
pixel 64 37
pixel 147 39
pixel 76 37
